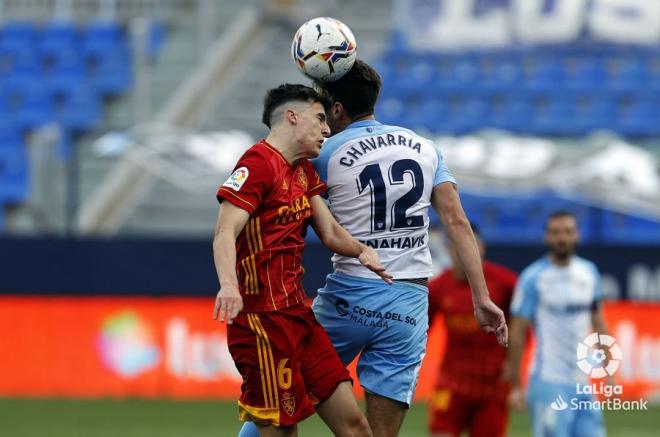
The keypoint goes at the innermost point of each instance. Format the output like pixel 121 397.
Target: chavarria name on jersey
pixel 380 179
pixel 366 145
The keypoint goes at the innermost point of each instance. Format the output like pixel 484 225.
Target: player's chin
pixel 315 152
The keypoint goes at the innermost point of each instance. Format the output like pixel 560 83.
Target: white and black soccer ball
pixel 324 49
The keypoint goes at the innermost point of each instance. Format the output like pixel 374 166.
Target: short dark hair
pixel 357 90
pixel 287 92
pixel 560 213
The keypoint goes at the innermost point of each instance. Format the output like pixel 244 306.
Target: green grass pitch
pixel 162 418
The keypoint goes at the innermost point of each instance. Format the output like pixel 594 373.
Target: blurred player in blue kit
pixel 560 296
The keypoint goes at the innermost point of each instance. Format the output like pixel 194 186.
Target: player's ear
pixel 337 110
pixel 291 116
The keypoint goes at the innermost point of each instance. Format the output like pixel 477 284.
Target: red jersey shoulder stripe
pixel 237 200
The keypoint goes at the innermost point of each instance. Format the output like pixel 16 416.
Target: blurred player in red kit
pixel 470 394
pixel 289 367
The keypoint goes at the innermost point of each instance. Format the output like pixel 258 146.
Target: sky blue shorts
pixel 568 422
pixel 386 323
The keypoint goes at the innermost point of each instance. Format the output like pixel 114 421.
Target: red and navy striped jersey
pixel 269 250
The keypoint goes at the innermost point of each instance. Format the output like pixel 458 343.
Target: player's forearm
pixel 459 231
pixel 447 205
pixel 338 240
pixel 224 257
pixel 332 234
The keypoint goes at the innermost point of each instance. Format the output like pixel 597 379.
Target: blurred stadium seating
pixel 47 66
pixel 59 72
pixel 55 72
pixel 563 91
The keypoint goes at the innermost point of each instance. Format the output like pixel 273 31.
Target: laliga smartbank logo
pixel 559 404
pixel 598 356
pixel 126 345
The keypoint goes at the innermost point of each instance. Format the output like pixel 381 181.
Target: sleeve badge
pixel 237 179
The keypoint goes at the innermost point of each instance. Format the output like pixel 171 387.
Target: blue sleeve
pixel 525 296
pixel 321 163
pixel 442 173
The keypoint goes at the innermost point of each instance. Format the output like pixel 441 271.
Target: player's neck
pixel 362 117
pixel 283 145
pixel 562 261
pixel 345 121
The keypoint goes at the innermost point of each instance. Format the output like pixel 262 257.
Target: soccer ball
pixel 324 49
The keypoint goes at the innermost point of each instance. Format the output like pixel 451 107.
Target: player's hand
pixel 228 303
pixel 369 258
pixel 517 398
pixel 491 319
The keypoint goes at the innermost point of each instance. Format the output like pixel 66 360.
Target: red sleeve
pixel 247 185
pixel 509 278
pixel 316 185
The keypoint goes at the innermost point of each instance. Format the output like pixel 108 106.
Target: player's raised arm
pixel 447 204
pixel 231 221
pixel 338 240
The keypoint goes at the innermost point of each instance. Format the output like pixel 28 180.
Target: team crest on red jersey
pixel 302 178
pixel 288 403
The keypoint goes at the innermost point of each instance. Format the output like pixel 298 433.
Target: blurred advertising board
pixel 171 348
pixel 468 24
pixel 117 347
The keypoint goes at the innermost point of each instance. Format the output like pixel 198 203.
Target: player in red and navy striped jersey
pixel 289 367
pixel 470 393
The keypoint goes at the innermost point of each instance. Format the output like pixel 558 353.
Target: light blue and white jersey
pixel 380 180
pixel 558 301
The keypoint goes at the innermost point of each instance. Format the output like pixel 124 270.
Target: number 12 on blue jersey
pixel 371 178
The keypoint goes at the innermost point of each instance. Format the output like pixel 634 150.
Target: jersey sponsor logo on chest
pixel 298 209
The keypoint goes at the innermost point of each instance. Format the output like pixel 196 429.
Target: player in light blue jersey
pixel 381 182
pixel 560 297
